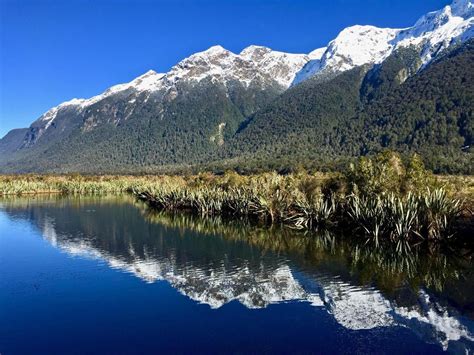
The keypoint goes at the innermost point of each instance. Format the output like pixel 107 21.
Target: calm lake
pixel 107 275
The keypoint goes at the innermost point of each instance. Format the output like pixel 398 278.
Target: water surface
pixel 107 275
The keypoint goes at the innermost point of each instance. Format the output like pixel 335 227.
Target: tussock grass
pixel 380 199
pixel 69 184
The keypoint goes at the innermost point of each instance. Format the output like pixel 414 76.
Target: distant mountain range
pixel 371 88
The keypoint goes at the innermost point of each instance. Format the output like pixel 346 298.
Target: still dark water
pixel 106 275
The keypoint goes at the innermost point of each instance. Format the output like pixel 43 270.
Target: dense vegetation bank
pixel 321 123
pixel 383 198
pixel 72 184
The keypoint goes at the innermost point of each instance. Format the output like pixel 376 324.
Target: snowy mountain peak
pixel 146 82
pixel 462 9
pixel 317 53
pixel 354 46
pixel 281 66
pixel 215 50
pixel 358 45
pixel 212 53
pixel 254 51
pixel 216 62
pixel 437 30
pixel 253 63
pixel 311 67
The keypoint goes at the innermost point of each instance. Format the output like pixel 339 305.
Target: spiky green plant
pixel 313 211
pixel 437 213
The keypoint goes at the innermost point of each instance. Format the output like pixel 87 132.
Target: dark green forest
pixel 397 105
pixel 363 112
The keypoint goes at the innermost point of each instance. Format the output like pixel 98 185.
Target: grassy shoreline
pixel 70 184
pixel 459 186
pixel 381 199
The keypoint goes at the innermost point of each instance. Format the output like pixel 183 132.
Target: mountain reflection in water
pixel 214 262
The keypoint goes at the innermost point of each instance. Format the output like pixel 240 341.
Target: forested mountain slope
pixel 431 114
pixel 369 89
pixel 180 117
pixel 363 111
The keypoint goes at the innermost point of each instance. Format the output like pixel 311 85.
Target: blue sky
pixel 53 50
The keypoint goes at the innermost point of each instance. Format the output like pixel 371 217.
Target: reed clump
pixel 399 201
pixel 268 197
pixel 381 199
pixel 69 184
pixel 429 215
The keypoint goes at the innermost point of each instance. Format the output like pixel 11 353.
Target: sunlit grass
pixel 380 199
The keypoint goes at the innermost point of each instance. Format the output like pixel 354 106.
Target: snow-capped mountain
pixel 215 92
pixel 311 67
pixel 437 30
pixel 279 65
pixel 255 66
pixel 431 34
pixel 353 47
pixel 254 63
pixel 146 83
pixel 356 46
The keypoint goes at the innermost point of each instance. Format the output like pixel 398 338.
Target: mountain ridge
pixel 241 83
pixel 353 46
